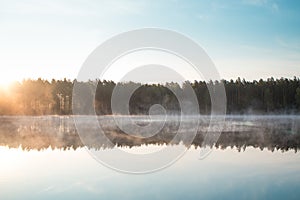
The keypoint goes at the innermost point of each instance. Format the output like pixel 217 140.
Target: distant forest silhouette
pixel 43 97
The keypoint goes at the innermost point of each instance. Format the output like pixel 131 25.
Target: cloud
pixel 201 17
pixel 293 44
pixel 275 7
pixel 77 8
pixel 269 4
pixel 255 2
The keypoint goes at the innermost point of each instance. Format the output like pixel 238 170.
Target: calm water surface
pixel 228 173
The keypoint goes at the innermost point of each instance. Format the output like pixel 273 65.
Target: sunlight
pixel 5 82
pixel 11 159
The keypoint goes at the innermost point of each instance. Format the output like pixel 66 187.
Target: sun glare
pixel 5 82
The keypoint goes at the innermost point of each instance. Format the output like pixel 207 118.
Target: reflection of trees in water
pixel 38 132
pixel 60 132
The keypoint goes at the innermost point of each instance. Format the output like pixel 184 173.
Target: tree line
pixel 43 97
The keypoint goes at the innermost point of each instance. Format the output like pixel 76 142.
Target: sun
pixel 6 82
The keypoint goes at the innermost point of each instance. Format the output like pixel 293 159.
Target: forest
pixel 43 97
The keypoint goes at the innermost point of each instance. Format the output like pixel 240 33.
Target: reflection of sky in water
pixel 225 174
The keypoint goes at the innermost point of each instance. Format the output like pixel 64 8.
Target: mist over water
pixel 252 152
pixel 240 131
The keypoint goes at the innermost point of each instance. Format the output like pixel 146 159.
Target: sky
pixel 251 39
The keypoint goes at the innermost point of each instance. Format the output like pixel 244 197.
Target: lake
pixel 255 157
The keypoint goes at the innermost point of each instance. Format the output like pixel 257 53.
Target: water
pixel 255 158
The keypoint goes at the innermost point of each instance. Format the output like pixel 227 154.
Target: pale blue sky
pixel 51 39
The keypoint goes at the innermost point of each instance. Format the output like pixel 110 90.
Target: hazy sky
pixel 247 38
